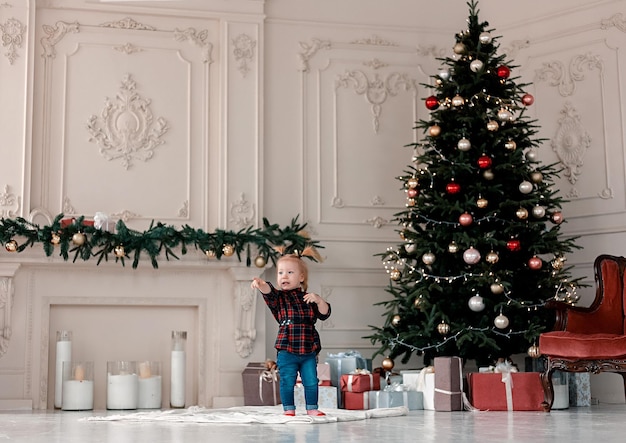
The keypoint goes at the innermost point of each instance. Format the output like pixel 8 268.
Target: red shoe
pixel 315 413
pixel 290 413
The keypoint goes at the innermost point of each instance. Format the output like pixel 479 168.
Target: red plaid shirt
pixel 296 319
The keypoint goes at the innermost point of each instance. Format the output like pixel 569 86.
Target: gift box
pixel 560 389
pixel 413 400
pixel 421 380
pixel 355 400
pixel 345 363
pixel 327 397
pixel 323 375
pixel 579 388
pixel 260 385
pixel 448 384
pixel 65 222
pixel 360 381
pixel 512 391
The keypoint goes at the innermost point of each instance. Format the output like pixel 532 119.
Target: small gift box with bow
pixel 261 384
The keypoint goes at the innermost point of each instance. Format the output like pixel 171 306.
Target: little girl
pixel 298 342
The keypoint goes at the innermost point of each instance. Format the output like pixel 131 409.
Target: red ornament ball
pixel 503 72
pixel 484 162
pixel 535 263
pixel 412 192
pixel 432 103
pixel 557 217
pixel 528 99
pixel 513 245
pixel 466 219
pixel 453 188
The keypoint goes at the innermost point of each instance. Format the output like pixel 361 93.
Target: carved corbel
pixel 7 271
pixel 245 310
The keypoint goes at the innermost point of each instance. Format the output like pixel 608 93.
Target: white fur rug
pixel 249 414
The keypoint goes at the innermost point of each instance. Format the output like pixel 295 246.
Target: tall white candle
pixel 149 392
pixel 77 395
pixel 177 387
pixel 63 353
pixel 122 391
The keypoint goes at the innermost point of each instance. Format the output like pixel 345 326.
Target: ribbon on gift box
pixel 268 376
pixel 359 372
pixel 355 354
pixel 421 377
pixel 506 369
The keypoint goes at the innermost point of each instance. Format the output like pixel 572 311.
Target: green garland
pixel 86 241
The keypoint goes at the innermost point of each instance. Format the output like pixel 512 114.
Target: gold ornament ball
pixel 453 248
pixel 119 251
pixel 497 288
pixel 78 239
pixel 210 253
pixel 428 258
pixel 395 320
pixel 533 351
pixel 395 274
pixel 387 364
pixel 228 250
pixel 11 246
pixel 434 130
pixel 522 213
pixel 492 258
pixel 457 101
pixel 510 145
pixel 443 328
pixel 260 262
pixel 459 48
pixel 419 302
pixel 482 203
pixel 536 177
pixel 55 239
pixel 412 183
pixel 492 125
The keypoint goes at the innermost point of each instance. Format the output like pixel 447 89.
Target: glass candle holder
pixel 122 385
pixel 178 369
pixel 150 385
pixel 63 354
pixel 77 386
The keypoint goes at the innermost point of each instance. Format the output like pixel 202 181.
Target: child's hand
pixel 310 297
pixel 260 284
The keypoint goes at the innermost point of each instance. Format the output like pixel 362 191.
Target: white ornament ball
pixel 488 174
pixel 464 145
pixel 492 125
pixel 532 155
pixel 525 187
pixel 476 303
pixel 496 288
pixel 501 321
pixel 504 115
pixel 539 211
pixel 476 65
pixel 484 38
pixel 457 101
pixel 444 74
pixel 410 247
pixel 428 258
pixel 471 256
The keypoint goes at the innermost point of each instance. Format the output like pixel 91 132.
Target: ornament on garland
pixel 210 253
pixel 466 219
pixel 260 261
pixel 55 238
pixel 119 251
pixel 428 258
pixel 78 239
pixel 228 250
pixel 395 275
pixel 457 101
pixel 11 246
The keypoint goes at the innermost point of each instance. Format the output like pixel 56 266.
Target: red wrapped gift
pixel 355 400
pixel 65 222
pixel 512 391
pixel 360 382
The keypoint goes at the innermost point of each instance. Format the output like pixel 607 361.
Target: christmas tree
pixel 480 250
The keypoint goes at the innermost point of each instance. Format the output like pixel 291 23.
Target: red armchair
pixel 589 339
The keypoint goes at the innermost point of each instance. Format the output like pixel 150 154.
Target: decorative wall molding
pixel 128 23
pixel 243 51
pixel 184 211
pixel 309 50
pixel 125 215
pixel 515 47
pixel 377 222
pixel 376 90
pixel 245 309
pixel 615 21
pixel 128 48
pixel 556 74
pixel 125 129
pixel 199 38
pixel 54 34
pixel 242 212
pixel 570 142
pixel 7 272
pixel 374 40
pixel 12 35
pixel 9 203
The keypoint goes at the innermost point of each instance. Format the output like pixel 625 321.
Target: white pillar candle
pixel 77 395
pixel 149 392
pixel 122 391
pixel 63 353
pixel 177 391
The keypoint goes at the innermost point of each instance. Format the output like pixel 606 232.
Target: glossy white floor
pixel 601 423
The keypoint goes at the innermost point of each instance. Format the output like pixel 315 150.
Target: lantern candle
pixel 77 386
pixel 150 382
pixel 122 385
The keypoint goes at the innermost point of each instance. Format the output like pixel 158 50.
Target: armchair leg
pixel 548 388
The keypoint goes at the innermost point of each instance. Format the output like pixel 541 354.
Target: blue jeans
pixel 288 367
